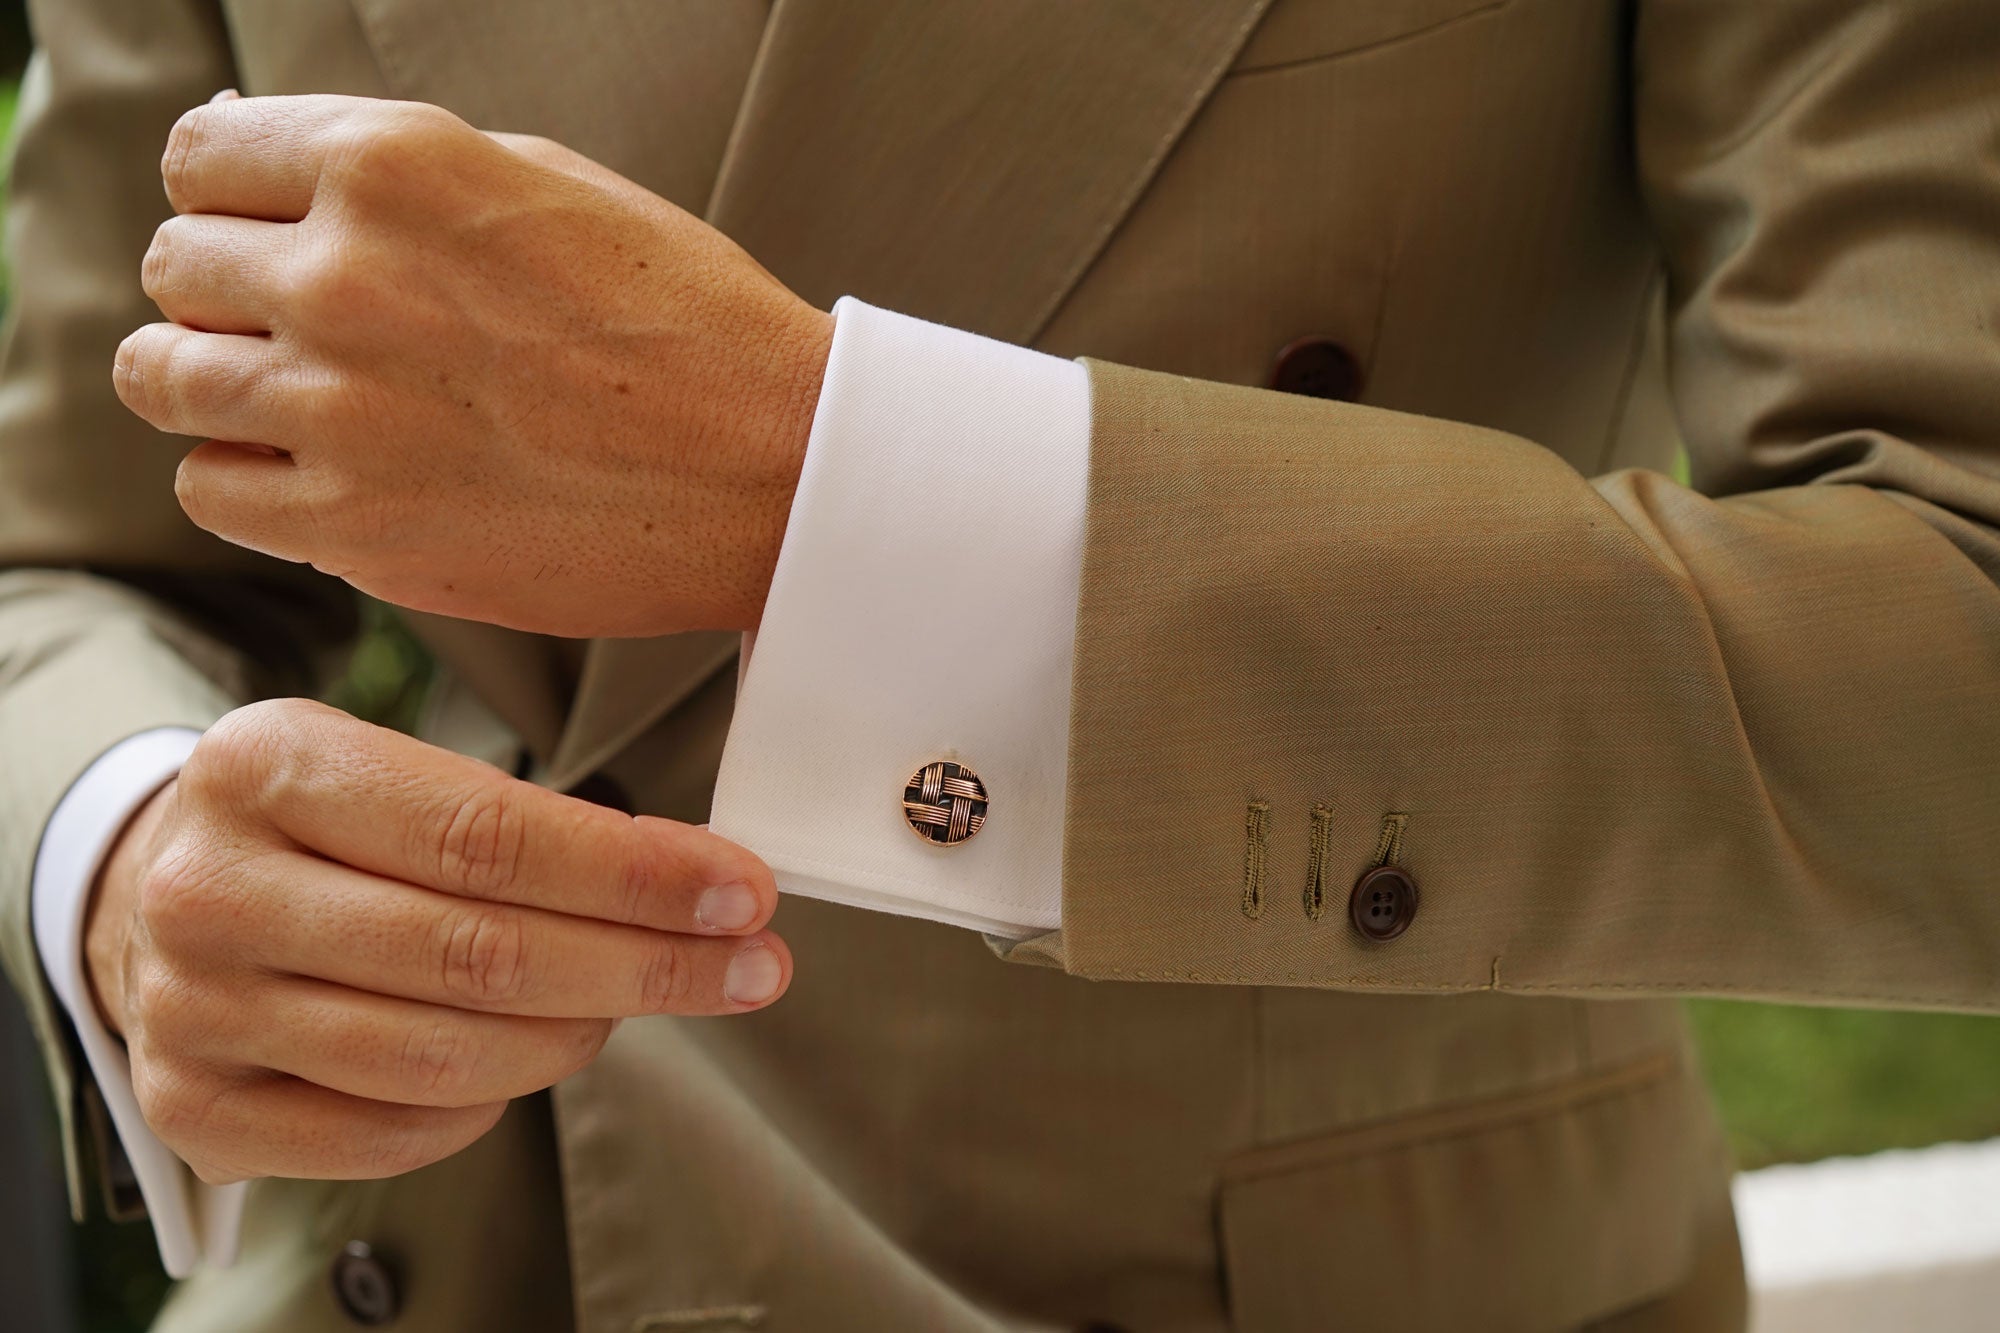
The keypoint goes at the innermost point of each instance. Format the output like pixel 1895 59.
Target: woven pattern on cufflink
pixel 945 802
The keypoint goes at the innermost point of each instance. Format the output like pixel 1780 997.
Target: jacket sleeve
pixel 116 614
pixel 1741 738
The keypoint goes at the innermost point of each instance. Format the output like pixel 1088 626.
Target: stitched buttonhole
pixel 1256 856
pixel 1389 846
pixel 1316 861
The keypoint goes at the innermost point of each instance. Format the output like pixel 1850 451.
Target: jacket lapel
pixel 961 162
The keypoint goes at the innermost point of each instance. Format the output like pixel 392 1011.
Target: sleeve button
pixel 1317 368
pixel 1383 904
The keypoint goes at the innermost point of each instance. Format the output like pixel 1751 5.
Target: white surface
pixel 1851 1217
pixel 1900 1242
pixel 923 608
pixel 191 1221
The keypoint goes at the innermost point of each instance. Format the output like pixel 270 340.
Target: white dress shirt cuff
pixel 192 1222
pixel 923 609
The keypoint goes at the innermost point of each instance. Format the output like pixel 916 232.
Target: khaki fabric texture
pixel 1647 739
pixel 1737 738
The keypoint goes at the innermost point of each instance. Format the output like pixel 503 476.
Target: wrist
pixel 800 360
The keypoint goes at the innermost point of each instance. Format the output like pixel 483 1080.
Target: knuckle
pixel 340 524
pixel 665 981
pixel 164 380
pixel 374 154
pixel 324 394
pixel 175 1100
pixel 537 149
pixel 184 144
pixel 192 495
pixel 382 1155
pixel 149 1012
pixel 421 123
pixel 436 1061
pixel 181 892
pixel 140 370
pixel 637 894
pixel 253 753
pixel 172 1014
pixel 159 270
pixel 483 840
pixel 483 956
pixel 326 286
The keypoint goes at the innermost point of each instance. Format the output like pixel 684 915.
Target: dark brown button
pixel 1318 368
pixel 609 792
pixel 1384 903
pixel 364 1286
pixel 945 802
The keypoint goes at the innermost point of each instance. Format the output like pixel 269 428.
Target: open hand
pixel 336 952
pixel 478 375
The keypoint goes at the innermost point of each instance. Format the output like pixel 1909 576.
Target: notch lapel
pixel 961 162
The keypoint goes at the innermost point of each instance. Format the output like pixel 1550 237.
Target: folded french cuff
pixel 922 613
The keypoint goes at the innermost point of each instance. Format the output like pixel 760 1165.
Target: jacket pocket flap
pixel 1527 1214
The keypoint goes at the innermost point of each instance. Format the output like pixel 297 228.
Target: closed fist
pixel 470 374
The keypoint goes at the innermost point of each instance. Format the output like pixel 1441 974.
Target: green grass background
pixel 1793 1084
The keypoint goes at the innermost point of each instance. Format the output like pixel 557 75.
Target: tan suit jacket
pixel 1643 739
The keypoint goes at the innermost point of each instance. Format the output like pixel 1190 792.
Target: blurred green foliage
pixel 1798 1084
pixel 1794 1084
pixel 389 675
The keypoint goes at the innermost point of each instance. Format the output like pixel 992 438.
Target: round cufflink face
pixel 944 802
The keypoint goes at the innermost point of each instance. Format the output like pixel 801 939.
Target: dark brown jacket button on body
pixel 1383 904
pixel 1318 368
pixel 364 1286
pixel 605 791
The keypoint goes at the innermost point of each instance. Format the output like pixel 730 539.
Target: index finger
pixel 394 806
pixel 262 157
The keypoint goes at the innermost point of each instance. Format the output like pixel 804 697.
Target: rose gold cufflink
pixel 945 802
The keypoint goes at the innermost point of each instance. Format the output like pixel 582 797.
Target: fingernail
pixel 753 976
pixel 726 907
pixel 226 95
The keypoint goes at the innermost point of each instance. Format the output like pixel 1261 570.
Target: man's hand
pixel 479 375
pixel 336 952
